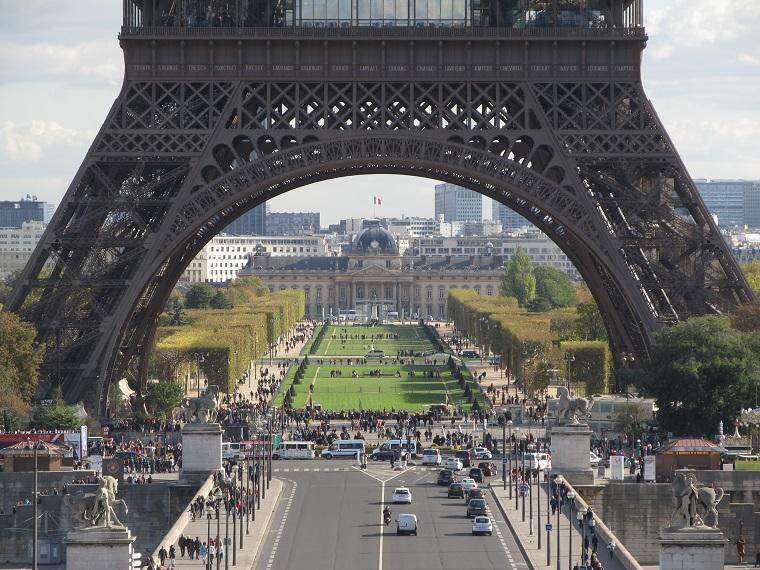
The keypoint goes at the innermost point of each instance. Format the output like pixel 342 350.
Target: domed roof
pixel 374 240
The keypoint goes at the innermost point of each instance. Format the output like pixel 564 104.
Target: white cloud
pixel 31 141
pixel 748 58
pixel 97 61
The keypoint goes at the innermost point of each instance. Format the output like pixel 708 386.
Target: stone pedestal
pixel 700 548
pixel 201 451
pixel 93 548
pixel 571 456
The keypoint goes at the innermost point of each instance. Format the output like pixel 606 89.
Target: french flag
pixel 378 201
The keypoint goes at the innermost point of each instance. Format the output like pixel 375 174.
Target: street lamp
pixel 35 447
pixel 559 481
pixel 208 539
pixel 504 426
pixel 219 498
pixel 198 357
pixel 581 515
pixel 517 479
pixel 569 357
pixel 571 498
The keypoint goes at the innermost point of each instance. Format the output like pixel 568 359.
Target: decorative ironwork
pixel 207 127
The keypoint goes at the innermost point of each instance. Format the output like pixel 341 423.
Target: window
pixel 441 292
pixel 489 290
pixel 389 292
pixel 319 293
pixel 477 289
pixel 416 291
pixel 360 292
pixel 342 293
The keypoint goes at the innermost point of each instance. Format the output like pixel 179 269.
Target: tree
pixel 57 416
pixel 199 296
pixel 518 281
pixel 590 325
pixel 14 410
pixel 701 372
pixel 20 355
pixel 752 273
pixel 162 397
pixel 632 420
pixel 746 317
pixel 555 286
pixel 220 301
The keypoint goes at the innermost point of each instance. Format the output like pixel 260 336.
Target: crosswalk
pixel 336 469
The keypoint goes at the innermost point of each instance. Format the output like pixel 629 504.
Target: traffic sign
pixel 549 526
pixel 503 460
pixel 524 488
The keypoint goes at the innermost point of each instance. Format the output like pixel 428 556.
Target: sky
pixel 61 69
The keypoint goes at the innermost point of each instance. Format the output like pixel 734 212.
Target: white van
pixel 431 456
pixel 538 461
pixel 375 354
pixel 406 524
pixel 344 448
pixel 294 450
pixel 232 450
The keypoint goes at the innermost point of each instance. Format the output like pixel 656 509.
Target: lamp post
pixel 198 357
pixel 538 506
pixel 517 479
pixel 208 539
pixel 226 540
pixel 35 447
pixel 559 481
pixel 569 357
pixel 523 445
pixel 509 425
pixel 242 505
pixel 504 451
pixel 581 515
pixel 219 498
pixel 571 498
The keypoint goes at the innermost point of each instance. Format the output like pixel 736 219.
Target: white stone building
pixel 17 245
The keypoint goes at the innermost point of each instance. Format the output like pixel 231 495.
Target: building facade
pixel 292 223
pixel 253 222
pixel 374 279
pixel 457 204
pixel 510 220
pixel 224 256
pixel 29 209
pixel 736 203
pixel 17 245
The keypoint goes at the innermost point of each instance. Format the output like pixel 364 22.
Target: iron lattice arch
pixel 584 158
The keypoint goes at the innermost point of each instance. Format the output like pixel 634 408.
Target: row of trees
pixel 219 342
pixel 538 289
pixel 530 341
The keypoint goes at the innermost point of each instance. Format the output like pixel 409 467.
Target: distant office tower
pixel 734 202
pixel 510 220
pixel 17 245
pixel 292 223
pixel 253 222
pixel 29 209
pixel 458 204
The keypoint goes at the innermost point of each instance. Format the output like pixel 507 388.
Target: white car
pixel 406 524
pixel 482 525
pixel 595 459
pixel 454 463
pixel 402 495
pixel 482 453
pixel 431 457
pixel 468 484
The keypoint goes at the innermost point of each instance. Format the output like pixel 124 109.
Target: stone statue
pixel 689 496
pixel 203 407
pixel 98 508
pixel 572 410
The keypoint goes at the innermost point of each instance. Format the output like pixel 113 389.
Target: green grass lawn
pixel 376 393
pixel 410 337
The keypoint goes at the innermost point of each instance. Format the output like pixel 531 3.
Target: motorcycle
pixel 387 518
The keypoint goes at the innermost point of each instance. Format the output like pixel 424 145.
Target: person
pixel 181 544
pixel 203 553
pixel 162 554
pixel 172 556
pixel 757 559
pixel 386 513
pixel 611 546
pixel 594 544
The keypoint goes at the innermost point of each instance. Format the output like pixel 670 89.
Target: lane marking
pixel 382 524
pixel 278 536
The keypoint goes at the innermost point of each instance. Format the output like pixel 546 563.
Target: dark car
pixel 488 468
pixel 455 490
pixel 384 454
pixel 476 507
pixel 467 457
pixel 470 354
pixel 477 474
pixel 446 477
pixel 475 493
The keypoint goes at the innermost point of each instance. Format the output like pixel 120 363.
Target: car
pixel 482 453
pixel 454 463
pixel 385 454
pixel 476 507
pixel 477 474
pixel 406 524
pixel 455 490
pixel 482 525
pixel 476 493
pixel 468 483
pixel 431 457
pixel 465 456
pixel 446 477
pixel 488 468
pixel 470 354
pixel 402 495
pixel 595 459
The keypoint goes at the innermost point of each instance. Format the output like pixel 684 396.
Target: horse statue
pixel 203 407
pixel 98 508
pixel 572 409
pixel 689 496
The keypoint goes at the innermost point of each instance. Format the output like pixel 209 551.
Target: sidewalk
pixel 529 543
pixel 251 542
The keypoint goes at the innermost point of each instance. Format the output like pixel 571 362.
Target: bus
pixel 347 315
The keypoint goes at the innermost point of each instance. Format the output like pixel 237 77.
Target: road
pixel 329 517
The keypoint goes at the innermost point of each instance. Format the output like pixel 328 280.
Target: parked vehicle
pixel 375 354
pixel 470 354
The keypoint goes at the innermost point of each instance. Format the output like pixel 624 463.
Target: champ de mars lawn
pixel 388 391
pixel 389 338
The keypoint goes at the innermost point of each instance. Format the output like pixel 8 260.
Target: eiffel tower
pixel 225 104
